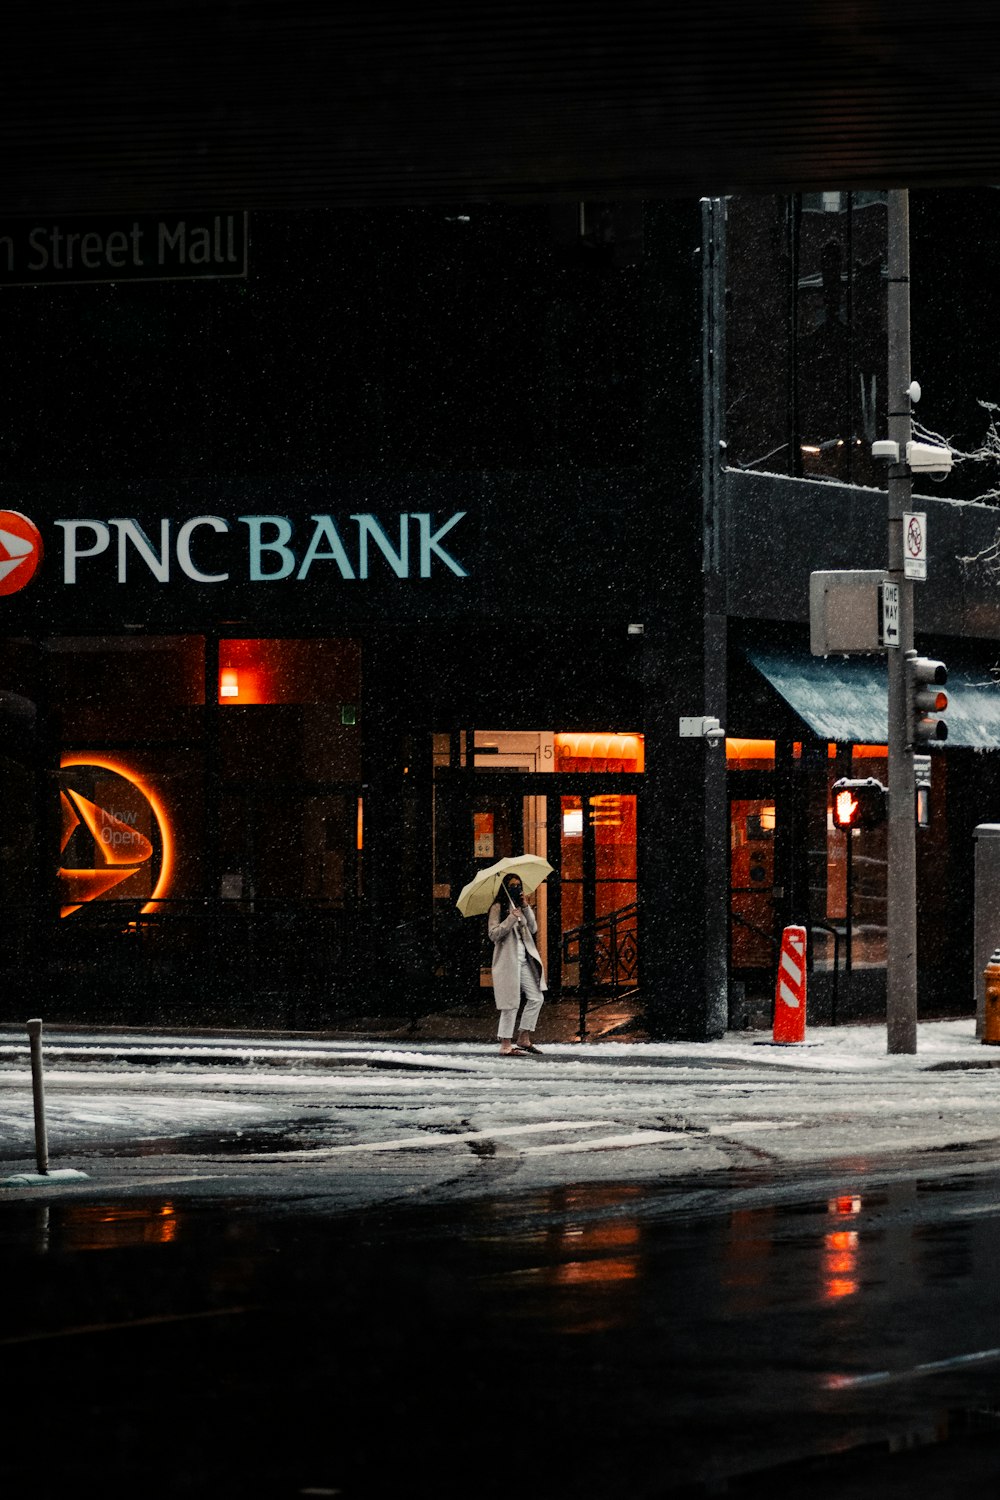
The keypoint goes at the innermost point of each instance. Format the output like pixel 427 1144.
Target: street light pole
pixel 901 973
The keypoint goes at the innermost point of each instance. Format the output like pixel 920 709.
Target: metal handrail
pixel 822 926
pixel 610 923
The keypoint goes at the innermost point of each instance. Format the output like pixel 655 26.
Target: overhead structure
pixel 182 105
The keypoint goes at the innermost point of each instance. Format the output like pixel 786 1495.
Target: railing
pixel 836 934
pixel 768 937
pixel 607 953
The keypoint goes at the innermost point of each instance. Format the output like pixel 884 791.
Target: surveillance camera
pixel 929 458
pixel 702 727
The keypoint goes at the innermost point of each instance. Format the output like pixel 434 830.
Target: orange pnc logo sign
pixel 115 835
pixel 20 551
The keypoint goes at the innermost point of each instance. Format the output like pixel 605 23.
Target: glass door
pixel 751 882
pixel 598 890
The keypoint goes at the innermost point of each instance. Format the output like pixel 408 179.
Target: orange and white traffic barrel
pixel 790 987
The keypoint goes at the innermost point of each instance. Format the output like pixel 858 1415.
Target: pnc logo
pixel 115 834
pixel 20 551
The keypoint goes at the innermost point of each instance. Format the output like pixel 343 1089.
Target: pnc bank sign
pixel 211 549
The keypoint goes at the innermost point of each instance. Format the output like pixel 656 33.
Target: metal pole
pixel 38 1095
pixel 901 972
pixel 849 924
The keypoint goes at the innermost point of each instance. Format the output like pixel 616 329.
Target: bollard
pixel 790 987
pixel 43 1177
pixel 38 1095
pixel 991 1014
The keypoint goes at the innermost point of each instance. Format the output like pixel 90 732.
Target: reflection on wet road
pixel 580 1342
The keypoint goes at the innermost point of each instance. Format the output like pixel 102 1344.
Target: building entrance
pixel 554 796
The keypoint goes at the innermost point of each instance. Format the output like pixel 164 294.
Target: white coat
pixel 506 968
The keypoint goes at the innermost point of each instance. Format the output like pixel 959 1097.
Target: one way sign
pixel 890 614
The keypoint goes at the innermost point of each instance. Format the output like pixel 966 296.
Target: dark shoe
pixel 514 1052
pixel 530 1047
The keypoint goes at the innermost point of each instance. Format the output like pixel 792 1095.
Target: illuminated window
pixel 290 671
pixel 749 755
pixel 600 752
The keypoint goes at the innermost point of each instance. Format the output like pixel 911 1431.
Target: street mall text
pixel 123 249
pixel 271 549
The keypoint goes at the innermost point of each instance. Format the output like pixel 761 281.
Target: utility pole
pixel 901 975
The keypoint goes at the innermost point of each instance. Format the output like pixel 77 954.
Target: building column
pixel 684 859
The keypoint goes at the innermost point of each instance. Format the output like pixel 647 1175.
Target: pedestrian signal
pixel 858 804
pixel 924 699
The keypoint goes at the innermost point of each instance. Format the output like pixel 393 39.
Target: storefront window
pixel 127 688
pixel 749 755
pixel 290 709
pixel 165 799
pixel 600 752
pixel 752 882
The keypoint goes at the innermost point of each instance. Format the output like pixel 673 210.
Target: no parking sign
pixel 915 544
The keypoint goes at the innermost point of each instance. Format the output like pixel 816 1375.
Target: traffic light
pixel 858 804
pixel 924 698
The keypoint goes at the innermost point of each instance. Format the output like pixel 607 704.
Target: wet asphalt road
pixel 596 1340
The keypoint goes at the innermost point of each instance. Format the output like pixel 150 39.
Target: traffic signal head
pixel 925 700
pixel 858 804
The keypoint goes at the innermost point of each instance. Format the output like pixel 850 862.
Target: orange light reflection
pixel 840 1250
pixel 587 1272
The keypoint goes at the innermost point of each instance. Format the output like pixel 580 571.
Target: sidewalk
pixel 941 1044
pixel 469 1034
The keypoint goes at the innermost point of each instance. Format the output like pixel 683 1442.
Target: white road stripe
pixel 610 1142
pixel 417 1142
pixel 88 1328
pixel 932 1367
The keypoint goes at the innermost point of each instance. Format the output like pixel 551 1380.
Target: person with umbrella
pixel 499 891
pixel 517 968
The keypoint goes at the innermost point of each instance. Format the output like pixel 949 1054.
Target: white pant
pixel 532 1003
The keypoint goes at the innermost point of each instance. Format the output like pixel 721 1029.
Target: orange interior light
pixel 741 750
pixel 599 752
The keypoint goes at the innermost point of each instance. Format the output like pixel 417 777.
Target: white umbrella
pixel 481 892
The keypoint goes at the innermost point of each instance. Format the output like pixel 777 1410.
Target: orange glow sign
pixel 115 833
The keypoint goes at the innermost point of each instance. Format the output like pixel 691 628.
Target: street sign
pixel 915 545
pixel 890 614
pixel 126 247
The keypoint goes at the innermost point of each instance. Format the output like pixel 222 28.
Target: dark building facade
pixel 405 546
pixel 319 590
pixel 803 397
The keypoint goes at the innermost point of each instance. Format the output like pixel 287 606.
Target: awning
pixel 845 698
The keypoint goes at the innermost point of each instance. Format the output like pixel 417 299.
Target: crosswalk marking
pixel 610 1142
pixel 441 1138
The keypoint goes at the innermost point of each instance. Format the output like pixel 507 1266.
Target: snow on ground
pixel 577 1112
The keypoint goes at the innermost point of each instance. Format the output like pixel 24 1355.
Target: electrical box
pixel 845 611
